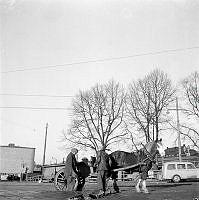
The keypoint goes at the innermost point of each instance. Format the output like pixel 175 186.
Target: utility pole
pixel 178 129
pixel 44 155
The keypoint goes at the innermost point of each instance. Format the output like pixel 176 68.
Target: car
pixel 177 171
pixel 4 177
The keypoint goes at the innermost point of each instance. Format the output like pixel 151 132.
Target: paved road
pixel 36 191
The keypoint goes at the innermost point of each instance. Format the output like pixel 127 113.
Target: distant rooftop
pixel 12 145
pixel 173 151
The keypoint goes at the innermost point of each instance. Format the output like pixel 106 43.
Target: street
pixel 46 191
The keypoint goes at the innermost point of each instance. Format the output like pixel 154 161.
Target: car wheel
pixel 176 179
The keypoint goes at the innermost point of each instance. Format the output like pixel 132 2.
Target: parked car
pixel 177 171
pixel 13 177
pixel 4 177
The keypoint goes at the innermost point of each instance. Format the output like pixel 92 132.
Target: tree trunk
pixel 156 127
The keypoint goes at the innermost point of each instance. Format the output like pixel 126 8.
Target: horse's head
pixel 155 147
pixel 160 148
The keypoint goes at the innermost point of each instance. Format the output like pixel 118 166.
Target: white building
pixel 15 159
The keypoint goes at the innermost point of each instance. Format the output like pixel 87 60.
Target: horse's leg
pixel 114 181
pixel 145 190
pixel 108 190
pixel 137 187
pixel 115 186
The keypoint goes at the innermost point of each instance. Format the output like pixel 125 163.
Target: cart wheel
pixel 59 180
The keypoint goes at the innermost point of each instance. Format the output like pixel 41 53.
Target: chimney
pixel 11 145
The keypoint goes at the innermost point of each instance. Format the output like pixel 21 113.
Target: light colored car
pixel 177 171
pixel 3 177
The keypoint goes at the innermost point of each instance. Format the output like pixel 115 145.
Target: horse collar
pixel 148 155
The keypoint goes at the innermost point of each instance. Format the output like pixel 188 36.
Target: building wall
pixel 14 159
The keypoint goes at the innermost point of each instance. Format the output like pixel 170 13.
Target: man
pixel 103 170
pixel 71 170
pixel 84 171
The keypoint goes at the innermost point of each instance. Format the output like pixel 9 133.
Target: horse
pixel 145 156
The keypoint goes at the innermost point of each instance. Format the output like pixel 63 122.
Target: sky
pixel 49 50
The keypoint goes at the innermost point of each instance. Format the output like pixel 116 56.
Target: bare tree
pixel 190 89
pixel 139 108
pixel 161 94
pixel 97 116
pixel 191 96
pixel 146 100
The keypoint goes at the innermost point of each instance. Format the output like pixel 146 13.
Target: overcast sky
pixel 58 47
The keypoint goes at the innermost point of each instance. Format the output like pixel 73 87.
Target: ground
pixel 46 191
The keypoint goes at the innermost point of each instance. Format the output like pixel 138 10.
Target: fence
pixel 36 178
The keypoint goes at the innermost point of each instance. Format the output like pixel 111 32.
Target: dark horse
pixel 140 161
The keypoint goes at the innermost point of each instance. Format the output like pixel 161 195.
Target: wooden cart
pixel 59 178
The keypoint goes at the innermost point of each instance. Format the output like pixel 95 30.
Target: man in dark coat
pixel 71 170
pixel 84 171
pixel 103 170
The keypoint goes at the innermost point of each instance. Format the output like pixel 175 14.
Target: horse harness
pixel 149 155
pixel 150 158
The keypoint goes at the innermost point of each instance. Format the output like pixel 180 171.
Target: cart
pixel 59 178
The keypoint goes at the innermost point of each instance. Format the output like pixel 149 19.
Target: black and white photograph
pixel 99 99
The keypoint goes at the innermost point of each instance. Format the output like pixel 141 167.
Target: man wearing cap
pixel 103 169
pixel 71 169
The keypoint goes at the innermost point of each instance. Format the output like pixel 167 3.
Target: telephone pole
pixel 178 129
pixel 44 155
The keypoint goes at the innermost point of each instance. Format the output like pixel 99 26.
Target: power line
pixel 99 60
pixel 17 124
pixel 34 108
pixel 37 95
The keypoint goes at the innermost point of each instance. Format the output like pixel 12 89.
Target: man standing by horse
pixel 103 170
